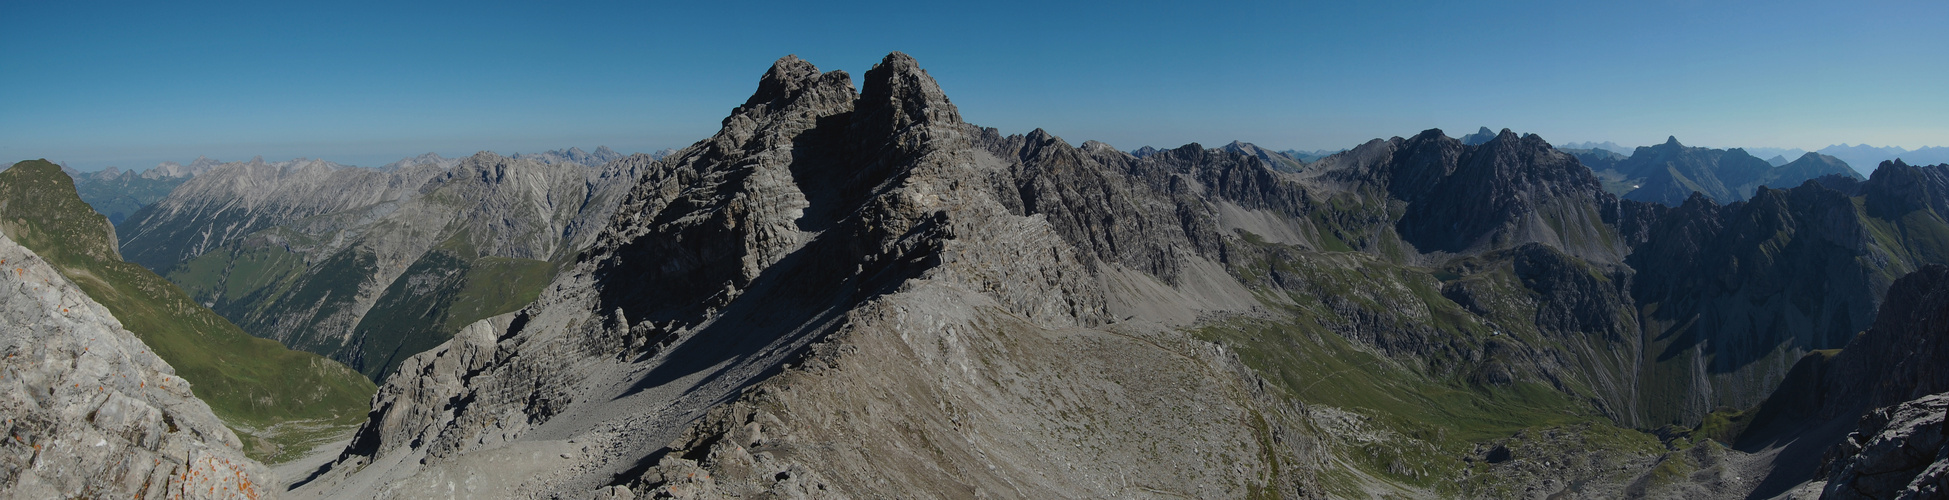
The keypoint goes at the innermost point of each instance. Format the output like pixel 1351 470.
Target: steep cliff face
pixel 1867 419
pixel 92 412
pixel 1506 192
pixel 1734 295
pixel 1166 215
pixel 854 274
pixel 1899 189
pixel 1901 358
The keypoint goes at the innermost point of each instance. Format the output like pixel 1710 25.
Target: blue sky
pixel 131 84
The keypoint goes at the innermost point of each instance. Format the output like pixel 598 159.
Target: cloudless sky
pixel 131 84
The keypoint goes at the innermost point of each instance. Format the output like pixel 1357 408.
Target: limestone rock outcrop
pixel 91 412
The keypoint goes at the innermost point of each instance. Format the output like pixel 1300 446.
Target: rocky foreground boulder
pixel 1898 452
pixel 91 412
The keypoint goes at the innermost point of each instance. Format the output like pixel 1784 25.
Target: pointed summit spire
pixel 898 85
pixel 786 77
pixel 1672 140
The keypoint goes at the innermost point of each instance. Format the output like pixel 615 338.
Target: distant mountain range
pixel 368 266
pixel 1606 145
pixel 574 155
pixel 1863 158
pixel 119 193
pixel 1670 173
pixel 1291 160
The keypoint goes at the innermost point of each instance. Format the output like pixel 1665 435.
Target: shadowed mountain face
pixel 1868 418
pixel 1460 199
pixel 1734 294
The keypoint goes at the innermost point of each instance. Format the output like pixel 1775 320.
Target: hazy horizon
pixel 372 83
pixel 382 159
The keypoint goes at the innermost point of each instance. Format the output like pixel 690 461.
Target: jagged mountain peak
pixel 573 155
pixel 1698 201
pixel 1100 148
pixel 429 158
pixel 1817 159
pixel 1897 163
pixel 1040 136
pixel 785 78
pixel 899 89
pixel 203 163
pixel 1277 160
pixel 1672 141
pixel 1480 136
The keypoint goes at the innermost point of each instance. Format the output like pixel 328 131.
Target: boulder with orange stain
pixel 128 438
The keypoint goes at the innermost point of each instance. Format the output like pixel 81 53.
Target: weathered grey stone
pixel 91 413
pixel 1897 452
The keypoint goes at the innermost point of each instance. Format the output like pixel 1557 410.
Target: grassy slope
pixel 255 283
pixel 414 315
pixel 1429 415
pixel 248 381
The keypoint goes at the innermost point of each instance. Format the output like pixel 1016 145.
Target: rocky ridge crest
pixel 856 237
